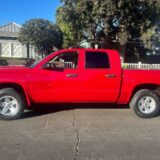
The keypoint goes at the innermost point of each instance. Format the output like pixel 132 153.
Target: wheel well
pixel 17 88
pixel 153 87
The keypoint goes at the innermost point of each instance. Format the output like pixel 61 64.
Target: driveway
pixel 88 133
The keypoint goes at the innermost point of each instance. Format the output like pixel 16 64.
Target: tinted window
pixel 97 60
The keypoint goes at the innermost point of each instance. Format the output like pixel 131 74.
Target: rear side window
pixel 96 60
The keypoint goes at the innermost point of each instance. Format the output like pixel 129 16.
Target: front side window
pixel 67 59
pixel 96 60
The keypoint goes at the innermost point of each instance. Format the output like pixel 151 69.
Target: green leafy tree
pixel 69 22
pixel 66 28
pixel 42 34
pixel 120 20
pixel 151 39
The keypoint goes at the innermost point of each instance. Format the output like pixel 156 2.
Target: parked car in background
pixel 3 62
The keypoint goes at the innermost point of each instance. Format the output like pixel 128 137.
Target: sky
pixel 19 11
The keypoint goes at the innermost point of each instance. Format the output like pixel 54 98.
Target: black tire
pixel 141 108
pixel 13 95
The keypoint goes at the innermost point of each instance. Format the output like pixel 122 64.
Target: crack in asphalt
pixel 46 122
pixel 77 136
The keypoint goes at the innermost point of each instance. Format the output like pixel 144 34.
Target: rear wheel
pixel 12 104
pixel 145 103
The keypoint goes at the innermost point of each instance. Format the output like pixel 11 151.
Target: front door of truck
pixel 60 84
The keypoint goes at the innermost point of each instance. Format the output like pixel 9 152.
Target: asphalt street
pixel 88 133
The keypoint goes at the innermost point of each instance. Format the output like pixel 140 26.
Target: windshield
pixel 37 62
pixel 34 64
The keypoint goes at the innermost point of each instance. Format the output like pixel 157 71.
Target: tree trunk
pixel 28 50
pixel 122 51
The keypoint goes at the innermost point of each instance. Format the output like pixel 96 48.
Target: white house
pixel 10 46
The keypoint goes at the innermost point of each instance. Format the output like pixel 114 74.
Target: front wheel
pixel 145 103
pixel 12 104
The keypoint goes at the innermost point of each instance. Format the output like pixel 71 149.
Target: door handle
pixel 72 75
pixel 110 75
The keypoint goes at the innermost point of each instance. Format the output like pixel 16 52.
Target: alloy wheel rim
pixel 8 106
pixel 147 104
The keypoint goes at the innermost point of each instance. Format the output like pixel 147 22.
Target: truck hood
pixel 13 70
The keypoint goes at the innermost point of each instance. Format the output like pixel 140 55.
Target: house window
pixel 5 49
pixel 16 50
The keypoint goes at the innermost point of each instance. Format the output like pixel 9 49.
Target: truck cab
pixel 77 75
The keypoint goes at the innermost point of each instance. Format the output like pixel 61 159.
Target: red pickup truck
pixel 79 76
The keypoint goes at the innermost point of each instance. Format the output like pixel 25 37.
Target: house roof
pixel 10 30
